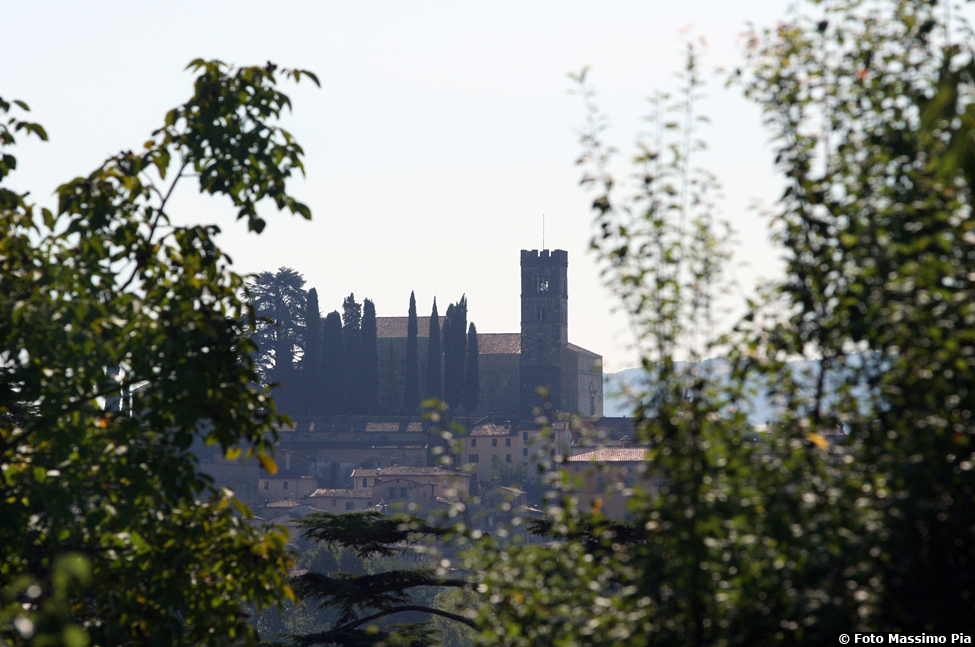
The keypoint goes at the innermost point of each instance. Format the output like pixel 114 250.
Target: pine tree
pixel 432 387
pixel 312 359
pixel 366 597
pixel 411 384
pixel 369 353
pixel 351 331
pixel 332 394
pixel 472 372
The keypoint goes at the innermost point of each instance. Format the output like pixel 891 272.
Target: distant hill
pixel 761 409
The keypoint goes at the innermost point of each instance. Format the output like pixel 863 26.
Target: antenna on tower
pixel 543 231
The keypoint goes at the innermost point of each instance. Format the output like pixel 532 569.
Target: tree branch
pixel 408 607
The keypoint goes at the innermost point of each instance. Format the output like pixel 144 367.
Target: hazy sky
pixel 440 136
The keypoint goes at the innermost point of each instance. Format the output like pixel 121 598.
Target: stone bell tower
pixel 544 326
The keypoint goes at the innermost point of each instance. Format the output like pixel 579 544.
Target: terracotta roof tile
pixel 492 430
pixel 387 327
pixel 611 455
pixel 499 343
pixel 287 503
pixel 364 493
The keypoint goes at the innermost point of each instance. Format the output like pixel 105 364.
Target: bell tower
pixel 544 325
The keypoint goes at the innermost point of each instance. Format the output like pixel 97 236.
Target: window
pixel 507 442
pixel 494 442
pixel 392 493
pixel 402 492
pixel 524 452
pixel 285 485
pixel 365 482
pixel 542 284
pixel 507 459
pixel 472 458
pixel 335 502
pixel 473 442
pixel 524 436
pixel 350 505
pixel 541 315
pixel 267 485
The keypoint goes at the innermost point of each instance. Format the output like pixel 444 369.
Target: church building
pixel 514 365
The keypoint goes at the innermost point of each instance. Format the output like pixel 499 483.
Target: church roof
pixel 583 351
pixel 499 343
pixel 387 327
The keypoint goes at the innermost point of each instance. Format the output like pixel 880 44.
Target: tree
pixel 411 383
pixel 454 352
pixel 390 382
pixel 370 358
pixel 279 301
pixel 795 539
pixel 472 372
pixel 311 359
pixel 110 534
pixel 433 386
pixel 519 474
pixel 351 335
pixel 372 597
pixel 333 365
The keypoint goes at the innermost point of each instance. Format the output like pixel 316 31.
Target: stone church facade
pixel 514 365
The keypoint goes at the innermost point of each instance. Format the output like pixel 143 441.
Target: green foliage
pixel 123 340
pixel 795 538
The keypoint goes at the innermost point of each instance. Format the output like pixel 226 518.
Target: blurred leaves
pixel 852 511
pixel 124 342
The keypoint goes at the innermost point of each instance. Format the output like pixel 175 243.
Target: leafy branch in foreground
pixel 122 342
pixel 387 593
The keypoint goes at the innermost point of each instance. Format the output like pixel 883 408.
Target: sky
pixel 442 134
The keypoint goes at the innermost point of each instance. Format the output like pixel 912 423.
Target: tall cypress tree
pixel 411 383
pixel 454 351
pixel 331 397
pixel 352 377
pixel 390 382
pixel 472 372
pixel 369 353
pixel 311 361
pixel 432 388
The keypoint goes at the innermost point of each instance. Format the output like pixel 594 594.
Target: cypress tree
pixel 332 368
pixel 411 383
pixel 472 372
pixel 312 359
pixel 432 388
pixel 390 382
pixel 454 347
pixel 352 375
pixel 369 357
